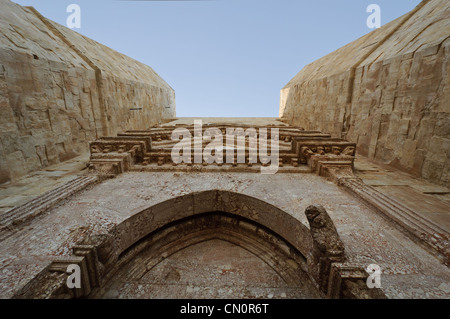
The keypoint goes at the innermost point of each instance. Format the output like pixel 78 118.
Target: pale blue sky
pixel 224 58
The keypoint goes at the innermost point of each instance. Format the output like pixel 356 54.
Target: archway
pixel 210 255
pixel 145 221
pixel 211 224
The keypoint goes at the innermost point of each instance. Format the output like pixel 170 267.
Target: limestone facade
pixel 59 90
pixel 138 216
pixel 140 225
pixel 388 92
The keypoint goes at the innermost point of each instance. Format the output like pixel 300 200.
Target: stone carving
pixel 327 245
pixel 336 150
pixel 151 149
pixel 307 151
pixel 349 150
pixel 311 147
pixel 321 150
pixel 323 230
pixel 348 281
pixel 376 133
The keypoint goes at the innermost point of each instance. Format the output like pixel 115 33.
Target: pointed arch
pixel 146 221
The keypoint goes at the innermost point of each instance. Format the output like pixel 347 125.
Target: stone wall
pixel 59 90
pixel 136 204
pixel 387 91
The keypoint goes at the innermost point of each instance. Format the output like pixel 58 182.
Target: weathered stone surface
pixel 168 231
pixel 368 237
pixel 287 147
pixel 221 271
pixel 59 90
pixel 327 246
pixel 387 92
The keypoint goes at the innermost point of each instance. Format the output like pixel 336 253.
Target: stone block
pixel 403 126
pixel 409 149
pixel 432 170
pixel 16 164
pixel 178 208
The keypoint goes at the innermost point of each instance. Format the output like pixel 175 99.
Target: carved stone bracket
pixel 325 155
pixel 61 264
pixel 349 281
pixel 327 245
pixel 84 256
pixel 335 278
pixel 111 156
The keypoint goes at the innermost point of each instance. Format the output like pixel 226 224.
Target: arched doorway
pixel 214 243
pixel 210 255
